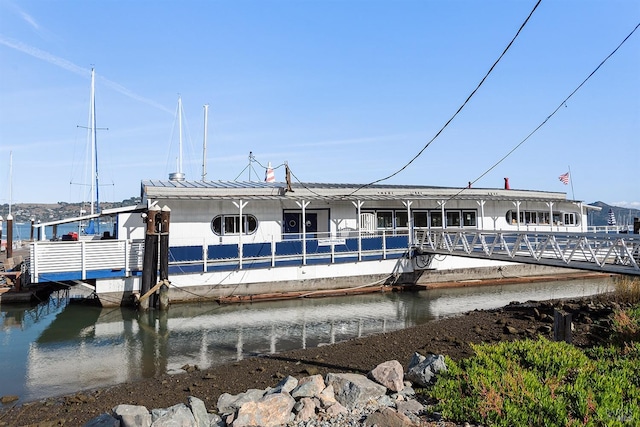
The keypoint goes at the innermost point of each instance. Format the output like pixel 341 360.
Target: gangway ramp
pixel 606 253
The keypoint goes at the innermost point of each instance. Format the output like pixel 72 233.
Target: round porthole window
pixel 292 223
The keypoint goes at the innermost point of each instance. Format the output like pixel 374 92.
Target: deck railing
pixel 94 259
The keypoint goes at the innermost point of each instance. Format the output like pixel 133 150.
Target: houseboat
pixel 230 239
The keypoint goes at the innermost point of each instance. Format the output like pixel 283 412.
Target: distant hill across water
pixel 45 212
pixel 623 215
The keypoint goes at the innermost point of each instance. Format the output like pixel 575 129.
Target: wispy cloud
pixel 30 20
pixel 76 69
pixel 44 56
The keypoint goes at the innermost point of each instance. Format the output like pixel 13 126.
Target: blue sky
pixel 344 91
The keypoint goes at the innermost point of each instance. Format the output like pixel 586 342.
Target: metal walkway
pixel 607 253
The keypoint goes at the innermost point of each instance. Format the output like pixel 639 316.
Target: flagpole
pixel 573 196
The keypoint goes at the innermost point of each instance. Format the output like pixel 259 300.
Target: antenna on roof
pixel 252 159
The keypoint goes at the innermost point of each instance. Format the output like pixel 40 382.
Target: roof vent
pixel 176 176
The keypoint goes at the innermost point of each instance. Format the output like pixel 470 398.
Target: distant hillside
pixel 623 215
pixel 24 212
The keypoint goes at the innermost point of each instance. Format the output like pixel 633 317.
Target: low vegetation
pixel 541 382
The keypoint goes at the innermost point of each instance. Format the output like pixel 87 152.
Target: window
pixel 223 225
pixel 531 217
pixel 453 218
pixel 385 219
pixel 469 218
pixel 570 219
pixel 436 219
pixel 543 217
pixel 420 219
pixel 527 217
pixel 401 219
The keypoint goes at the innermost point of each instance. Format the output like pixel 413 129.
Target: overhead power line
pixel 460 108
pixel 562 103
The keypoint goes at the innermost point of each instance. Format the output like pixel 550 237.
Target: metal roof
pixel 234 190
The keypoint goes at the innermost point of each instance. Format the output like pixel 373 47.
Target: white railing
pixel 84 256
pixel 79 260
pixel 619 253
pixel 610 229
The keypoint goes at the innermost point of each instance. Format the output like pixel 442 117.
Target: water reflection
pixel 59 348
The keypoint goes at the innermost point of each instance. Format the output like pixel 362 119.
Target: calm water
pixel 58 348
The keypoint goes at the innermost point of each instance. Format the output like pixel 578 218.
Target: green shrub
pixel 542 383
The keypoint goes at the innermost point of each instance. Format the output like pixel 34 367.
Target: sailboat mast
pixel 180 134
pixel 94 144
pixel 92 133
pixel 204 143
pixel 10 181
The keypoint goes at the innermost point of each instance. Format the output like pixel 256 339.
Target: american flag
pixel 564 178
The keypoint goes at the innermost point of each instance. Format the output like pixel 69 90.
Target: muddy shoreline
pixel 449 336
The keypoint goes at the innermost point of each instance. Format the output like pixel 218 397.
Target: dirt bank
pixel 450 336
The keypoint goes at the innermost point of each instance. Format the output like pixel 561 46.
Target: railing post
pixel 204 255
pixel 83 267
pixel 273 251
pixel 127 254
pixel 384 244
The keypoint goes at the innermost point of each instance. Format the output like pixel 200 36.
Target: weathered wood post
pixel 562 325
pixel 165 216
pixel 9 236
pixel 33 222
pixel 150 260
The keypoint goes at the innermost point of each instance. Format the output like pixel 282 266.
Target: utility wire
pixel 564 102
pixel 459 109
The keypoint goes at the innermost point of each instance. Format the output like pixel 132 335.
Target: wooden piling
pixel 9 236
pixel 150 261
pixel 562 325
pixel 165 216
pixel 163 299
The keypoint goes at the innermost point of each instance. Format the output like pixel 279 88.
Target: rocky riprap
pixel 384 397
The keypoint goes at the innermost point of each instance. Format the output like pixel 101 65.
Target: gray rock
pixel 216 421
pixel 410 406
pixel 286 384
pixel 389 374
pixel 510 330
pixel 228 403
pixel 132 416
pixel 387 401
pixel 176 416
pixel 270 411
pixel 389 418
pixel 199 411
pixel 353 389
pixel 103 420
pixel 336 409
pixel 306 410
pixel 327 397
pixel 422 370
pixel 309 387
